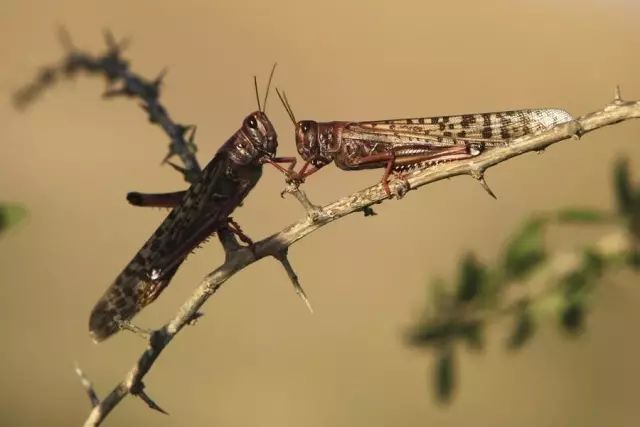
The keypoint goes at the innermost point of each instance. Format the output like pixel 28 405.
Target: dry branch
pixel 121 81
pixel 276 245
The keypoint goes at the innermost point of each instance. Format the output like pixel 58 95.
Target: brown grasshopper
pixel 402 145
pixel 197 213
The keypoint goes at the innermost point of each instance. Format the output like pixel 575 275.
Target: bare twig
pixel 312 210
pixel 120 82
pixel 86 384
pixel 278 243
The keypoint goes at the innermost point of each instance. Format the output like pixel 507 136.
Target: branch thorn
pixel 479 176
pixel 617 98
pixel 284 260
pixel 160 79
pixel 113 45
pixel 170 154
pixel 93 396
pixel 194 319
pixel 65 39
pixel 138 390
pixel 368 211
pixel 191 145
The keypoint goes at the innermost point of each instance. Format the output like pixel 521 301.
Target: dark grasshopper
pixel 403 145
pixel 197 213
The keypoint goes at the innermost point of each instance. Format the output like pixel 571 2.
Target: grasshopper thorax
pixel 314 141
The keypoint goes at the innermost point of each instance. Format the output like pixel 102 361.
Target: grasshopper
pixel 403 145
pixel 197 213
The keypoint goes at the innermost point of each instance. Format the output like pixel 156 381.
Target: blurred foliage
pixel 10 215
pixel 529 282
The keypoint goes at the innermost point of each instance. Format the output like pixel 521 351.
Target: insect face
pixel 259 139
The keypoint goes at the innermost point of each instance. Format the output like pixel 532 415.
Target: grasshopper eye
pixel 252 123
pixel 305 127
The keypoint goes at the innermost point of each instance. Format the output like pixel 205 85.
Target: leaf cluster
pixel 528 283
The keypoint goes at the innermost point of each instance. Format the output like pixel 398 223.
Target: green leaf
pixel 11 215
pixel 572 318
pixel 437 333
pixel 445 376
pixel 439 293
pixel 576 282
pixel 593 263
pixel 432 334
pixel 472 275
pixel 526 249
pixel 583 215
pixel 623 187
pixel 426 335
pixel 473 334
pixel 524 330
pixel 634 259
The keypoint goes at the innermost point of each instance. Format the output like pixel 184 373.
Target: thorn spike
pixel 110 40
pixel 192 136
pixel 159 80
pixel 139 391
pixel 65 39
pixel 486 187
pixel 617 96
pixel 178 168
pixel 167 157
pixel 303 295
pixel 86 384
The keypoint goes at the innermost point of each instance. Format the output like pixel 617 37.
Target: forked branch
pixel 121 81
pixel 277 244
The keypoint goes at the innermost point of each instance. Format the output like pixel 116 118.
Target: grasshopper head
pixel 256 140
pixel 311 137
pixel 260 133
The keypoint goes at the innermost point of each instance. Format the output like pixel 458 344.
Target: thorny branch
pixel 277 244
pixel 120 82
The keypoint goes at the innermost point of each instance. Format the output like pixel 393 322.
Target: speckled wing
pixel 442 131
pixel 205 206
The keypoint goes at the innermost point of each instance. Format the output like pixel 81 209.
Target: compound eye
pixel 305 127
pixel 252 123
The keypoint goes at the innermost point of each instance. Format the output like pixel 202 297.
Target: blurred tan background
pixel 258 358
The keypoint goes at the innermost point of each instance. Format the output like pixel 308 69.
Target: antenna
pixel 287 106
pixel 266 95
pixel 255 84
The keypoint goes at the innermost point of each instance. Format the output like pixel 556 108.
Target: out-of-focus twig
pixel 121 81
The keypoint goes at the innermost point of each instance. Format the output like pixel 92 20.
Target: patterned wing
pixel 206 204
pixel 487 128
